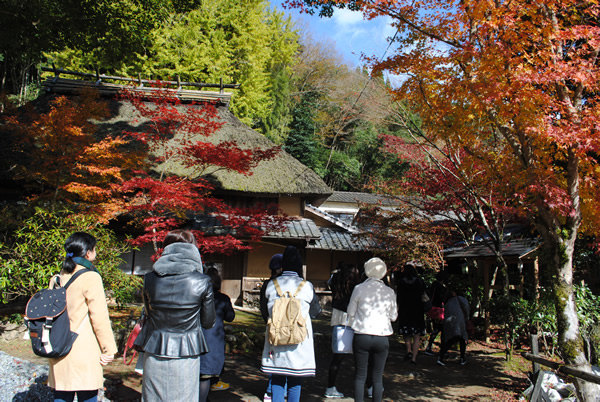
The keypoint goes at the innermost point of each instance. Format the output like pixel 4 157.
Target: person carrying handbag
pixel 437 291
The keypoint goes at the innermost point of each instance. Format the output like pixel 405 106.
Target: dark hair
pixel 213 274
pixel 292 260
pixel 275 265
pixel 343 282
pixel 77 245
pixel 179 236
pixel 409 271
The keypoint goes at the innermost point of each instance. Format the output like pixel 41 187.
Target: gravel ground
pixel 21 380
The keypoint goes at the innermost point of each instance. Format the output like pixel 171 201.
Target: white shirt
pixel 372 308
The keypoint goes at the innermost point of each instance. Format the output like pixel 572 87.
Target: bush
pixel 588 313
pixel 518 318
pixel 34 252
pixel 510 312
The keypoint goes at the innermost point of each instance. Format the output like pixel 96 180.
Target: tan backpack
pixel 287 325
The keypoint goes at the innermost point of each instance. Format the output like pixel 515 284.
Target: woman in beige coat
pixel 80 372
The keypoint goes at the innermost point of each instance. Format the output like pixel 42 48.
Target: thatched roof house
pixel 281 175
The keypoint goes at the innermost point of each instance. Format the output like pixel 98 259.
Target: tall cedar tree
pixel 527 74
pixel 177 138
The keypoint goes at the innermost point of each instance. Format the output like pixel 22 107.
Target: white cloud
pixel 344 17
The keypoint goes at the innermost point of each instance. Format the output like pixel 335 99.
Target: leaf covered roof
pixel 280 175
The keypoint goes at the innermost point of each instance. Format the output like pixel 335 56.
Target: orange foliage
pixel 66 162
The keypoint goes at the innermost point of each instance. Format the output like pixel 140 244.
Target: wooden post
pixel 535 366
pixel 536 273
pixel 486 300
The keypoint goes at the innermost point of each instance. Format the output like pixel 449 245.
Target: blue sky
pixel 350 33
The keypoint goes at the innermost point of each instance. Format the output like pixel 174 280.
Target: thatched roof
pixel 282 175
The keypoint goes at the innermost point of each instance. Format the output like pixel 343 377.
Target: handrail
pixel 561 367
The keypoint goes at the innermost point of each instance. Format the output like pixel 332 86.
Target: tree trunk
pixel 570 341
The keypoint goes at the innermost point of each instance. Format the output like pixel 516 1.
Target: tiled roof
pixel 332 239
pixel 305 229
pixel 356 197
pixel 298 229
pixel 295 229
pixel 512 248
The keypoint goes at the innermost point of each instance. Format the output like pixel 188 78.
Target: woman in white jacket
pixel 371 310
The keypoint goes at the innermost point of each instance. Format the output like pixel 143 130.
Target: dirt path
pixel 484 378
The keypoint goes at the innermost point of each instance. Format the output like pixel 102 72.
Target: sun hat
pixel 375 268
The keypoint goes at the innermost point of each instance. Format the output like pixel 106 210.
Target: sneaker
pixel 219 386
pixel 408 356
pixel 440 363
pixel 332 392
pixel 428 352
pixel 463 361
pixel 414 363
pixel 267 397
pixel 370 391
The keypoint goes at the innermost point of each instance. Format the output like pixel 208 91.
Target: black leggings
pixel 334 366
pixel 376 348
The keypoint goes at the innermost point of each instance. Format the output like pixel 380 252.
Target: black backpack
pixel 47 319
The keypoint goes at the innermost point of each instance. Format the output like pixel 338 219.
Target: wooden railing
pixel 141 82
pixel 557 366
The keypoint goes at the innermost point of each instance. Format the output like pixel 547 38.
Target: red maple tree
pixel 174 189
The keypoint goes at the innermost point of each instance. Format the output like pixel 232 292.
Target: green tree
pixel 103 34
pixel 301 143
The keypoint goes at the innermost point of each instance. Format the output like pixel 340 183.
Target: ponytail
pixel 77 245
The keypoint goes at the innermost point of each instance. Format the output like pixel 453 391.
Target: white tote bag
pixel 342 339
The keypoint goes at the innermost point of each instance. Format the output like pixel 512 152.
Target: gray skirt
pixel 170 379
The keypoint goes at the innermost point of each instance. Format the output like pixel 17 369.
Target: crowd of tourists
pixel 182 341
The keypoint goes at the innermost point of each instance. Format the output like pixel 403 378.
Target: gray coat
pixel 456 314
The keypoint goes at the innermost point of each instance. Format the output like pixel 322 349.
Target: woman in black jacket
pixel 178 299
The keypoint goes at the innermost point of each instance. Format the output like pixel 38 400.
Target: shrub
pixel 34 252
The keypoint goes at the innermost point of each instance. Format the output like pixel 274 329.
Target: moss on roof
pixel 281 175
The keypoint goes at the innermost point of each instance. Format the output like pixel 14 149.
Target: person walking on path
pixel 289 364
pixel 80 372
pixel 212 363
pixel 342 283
pixel 371 311
pixel 456 314
pixel 179 302
pixel 411 317
pixel 437 292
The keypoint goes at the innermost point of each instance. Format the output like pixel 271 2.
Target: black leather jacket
pixel 177 306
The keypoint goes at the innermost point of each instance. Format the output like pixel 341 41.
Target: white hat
pixel 375 268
